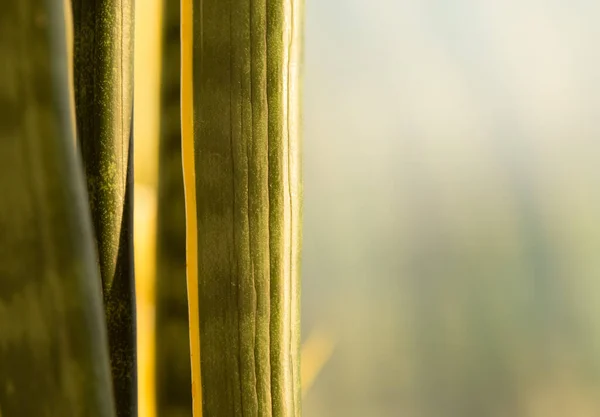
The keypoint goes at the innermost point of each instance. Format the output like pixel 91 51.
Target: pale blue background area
pixel 452 207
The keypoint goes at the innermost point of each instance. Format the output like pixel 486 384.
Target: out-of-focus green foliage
pixel 173 372
pixel 53 357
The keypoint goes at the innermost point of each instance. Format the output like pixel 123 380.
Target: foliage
pixel 67 127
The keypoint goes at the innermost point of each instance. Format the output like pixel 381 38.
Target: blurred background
pixel 451 262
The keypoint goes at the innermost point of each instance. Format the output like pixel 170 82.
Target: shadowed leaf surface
pixel 173 372
pixel 53 349
pixel 103 74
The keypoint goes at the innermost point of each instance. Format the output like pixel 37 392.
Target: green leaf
pixel 246 60
pixel 103 76
pixel 53 348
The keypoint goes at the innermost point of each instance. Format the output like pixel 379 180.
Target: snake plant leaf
pixel 241 61
pixel 173 372
pixel 103 76
pixel 53 346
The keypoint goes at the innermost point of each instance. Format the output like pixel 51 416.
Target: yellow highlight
pixel 68 11
pixel 147 62
pixel 145 249
pixel 316 351
pixel 189 181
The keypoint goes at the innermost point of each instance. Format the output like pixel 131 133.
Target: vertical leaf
pixel 173 373
pixel 103 72
pixel 53 349
pixel 247 197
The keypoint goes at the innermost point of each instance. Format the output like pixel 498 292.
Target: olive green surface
pixel 173 371
pixel 103 77
pixel 246 141
pixel 53 347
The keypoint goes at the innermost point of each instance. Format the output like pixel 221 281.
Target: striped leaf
pixel 242 177
pixel 103 76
